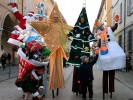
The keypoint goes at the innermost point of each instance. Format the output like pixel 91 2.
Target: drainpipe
pixel 22 6
pixel 124 23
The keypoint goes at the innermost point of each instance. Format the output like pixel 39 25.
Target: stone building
pixel 105 12
pixel 124 33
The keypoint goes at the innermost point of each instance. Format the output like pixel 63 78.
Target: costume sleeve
pixel 41 83
pixel 16 12
pixel 95 59
pixel 99 43
pixel 114 27
pixel 19 17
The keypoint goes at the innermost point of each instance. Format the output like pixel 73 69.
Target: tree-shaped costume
pixel 80 46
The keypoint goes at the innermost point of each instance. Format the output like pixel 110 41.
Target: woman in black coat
pixel 3 60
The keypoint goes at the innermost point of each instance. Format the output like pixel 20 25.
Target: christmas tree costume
pixel 80 45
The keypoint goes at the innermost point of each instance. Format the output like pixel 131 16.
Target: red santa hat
pixel 30 13
pixel 30 16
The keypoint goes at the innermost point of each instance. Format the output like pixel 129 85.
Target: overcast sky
pixel 72 8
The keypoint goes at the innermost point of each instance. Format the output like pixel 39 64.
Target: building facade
pixel 124 34
pixel 104 15
pixel 105 12
pixel 8 21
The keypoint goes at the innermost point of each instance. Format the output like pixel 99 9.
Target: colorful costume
pixel 32 82
pixel 80 45
pixel 32 52
pixel 111 60
pixel 115 58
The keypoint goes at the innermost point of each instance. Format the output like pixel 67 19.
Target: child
pixel 86 75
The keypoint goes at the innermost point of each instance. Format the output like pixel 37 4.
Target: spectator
pixel 3 60
pixel 9 57
pixel 128 62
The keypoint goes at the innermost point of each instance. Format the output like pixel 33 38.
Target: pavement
pixel 10 71
pixel 123 87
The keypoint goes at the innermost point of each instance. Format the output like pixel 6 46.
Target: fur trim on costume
pixel 31 61
pixel 13 41
pixel 14 9
pixel 18 28
pixel 35 75
pixel 41 87
pixel 35 94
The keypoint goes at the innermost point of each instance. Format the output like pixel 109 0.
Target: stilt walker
pixel 32 53
pixel 111 55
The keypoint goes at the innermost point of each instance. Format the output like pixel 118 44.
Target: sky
pixel 72 8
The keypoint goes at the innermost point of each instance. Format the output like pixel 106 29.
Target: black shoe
pixel 35 98
pixel 111 95
pixel 103 96
pixel 83 98
pixel 76 93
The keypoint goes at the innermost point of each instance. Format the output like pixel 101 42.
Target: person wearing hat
pixel 86 75
pixel 111 56
pixel 33 83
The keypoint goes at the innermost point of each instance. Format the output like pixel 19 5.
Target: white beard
pixel 29 19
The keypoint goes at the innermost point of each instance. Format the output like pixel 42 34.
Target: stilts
pixel 110 94
pixel 103 96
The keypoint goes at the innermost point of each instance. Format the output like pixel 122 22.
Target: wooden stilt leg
pixel 57 92
pixel 111 95
pixel 103 96
pixel 53 93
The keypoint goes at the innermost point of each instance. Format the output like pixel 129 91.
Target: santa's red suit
pixel 22 25
pixel 18 36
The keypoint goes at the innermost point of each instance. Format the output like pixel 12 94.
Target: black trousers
pixel 108 81
pixel 3 65
pixel 87 85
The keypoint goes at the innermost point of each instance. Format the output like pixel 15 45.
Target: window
pixel 129 7
pixel 121 13
pixel 120 40
pixel 130 39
